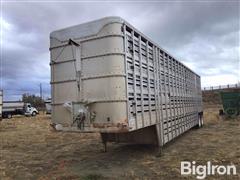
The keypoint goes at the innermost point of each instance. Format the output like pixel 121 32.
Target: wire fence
pixel 228 86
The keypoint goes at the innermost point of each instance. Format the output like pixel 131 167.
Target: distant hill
pixel 212 97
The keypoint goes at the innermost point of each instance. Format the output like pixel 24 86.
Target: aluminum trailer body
pixel 108 77
pixel 1 103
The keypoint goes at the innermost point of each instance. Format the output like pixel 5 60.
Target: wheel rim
pixel 231 112
pixel 199 122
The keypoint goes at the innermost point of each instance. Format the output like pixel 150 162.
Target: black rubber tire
pixel 9 116
pixel 231 112
pixel 34 113
pixel 221 112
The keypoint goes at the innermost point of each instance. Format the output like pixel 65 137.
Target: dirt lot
pixel 30 149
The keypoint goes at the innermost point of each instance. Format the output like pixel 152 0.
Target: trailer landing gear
pixel 105 146
pixel 159 152
pixel 159 141
pixel 104 141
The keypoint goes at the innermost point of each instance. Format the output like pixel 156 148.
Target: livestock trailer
pixel 108 77
pixel 1 103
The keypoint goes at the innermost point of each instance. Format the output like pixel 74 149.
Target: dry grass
pixel 30 149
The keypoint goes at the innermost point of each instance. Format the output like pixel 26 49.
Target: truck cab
pixel 29 110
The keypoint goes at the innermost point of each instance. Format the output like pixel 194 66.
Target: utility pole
pixel 41 90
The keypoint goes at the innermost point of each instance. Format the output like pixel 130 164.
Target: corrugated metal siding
pixel 161 90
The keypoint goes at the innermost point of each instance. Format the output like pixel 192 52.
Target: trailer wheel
pixel 231 112
pixel 200 121
pixel 221 112
pixel 34 113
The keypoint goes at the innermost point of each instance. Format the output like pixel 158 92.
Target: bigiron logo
pixel 202 171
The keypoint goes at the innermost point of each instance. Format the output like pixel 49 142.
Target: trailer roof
pixel 85 29
pixel 93 27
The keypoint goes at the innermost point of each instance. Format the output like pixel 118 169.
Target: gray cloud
pixel 204 35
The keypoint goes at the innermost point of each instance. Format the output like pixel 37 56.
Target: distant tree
pixel 35 101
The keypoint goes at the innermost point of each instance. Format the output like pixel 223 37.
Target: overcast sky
pixel 203 35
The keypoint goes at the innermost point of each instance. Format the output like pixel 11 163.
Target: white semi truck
pixel 11 108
